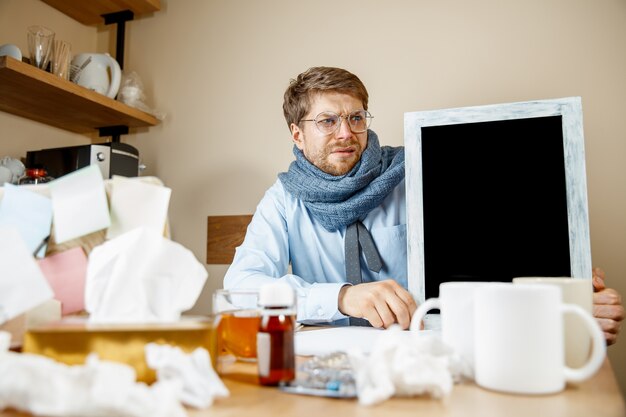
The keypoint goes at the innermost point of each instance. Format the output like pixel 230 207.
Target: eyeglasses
pixel 328 122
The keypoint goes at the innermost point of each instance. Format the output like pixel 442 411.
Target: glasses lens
pixel 359 121
pixel 327 122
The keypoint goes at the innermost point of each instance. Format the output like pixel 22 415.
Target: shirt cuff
pixel 321 304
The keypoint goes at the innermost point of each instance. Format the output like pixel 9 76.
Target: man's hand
pixel 607 307
pixel 382 303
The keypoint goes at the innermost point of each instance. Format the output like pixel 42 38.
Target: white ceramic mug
pixel 518 334
pixel 98 72
pixel 456 302
pixel 574 291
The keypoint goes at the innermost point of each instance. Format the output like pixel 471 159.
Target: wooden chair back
pixel 224 234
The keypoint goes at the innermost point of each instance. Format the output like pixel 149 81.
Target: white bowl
pixel 11 50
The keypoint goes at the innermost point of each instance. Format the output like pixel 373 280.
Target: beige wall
pixel 218 69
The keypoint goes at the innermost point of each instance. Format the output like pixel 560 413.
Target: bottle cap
pixel 277 294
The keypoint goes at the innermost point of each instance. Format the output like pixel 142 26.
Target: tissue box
pixel 70 341
pixel 47 311
pixel 16 327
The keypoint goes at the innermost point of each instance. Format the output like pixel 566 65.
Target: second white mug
pixel 519 339
pixel 574 291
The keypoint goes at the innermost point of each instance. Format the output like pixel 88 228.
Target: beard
pixel 325 160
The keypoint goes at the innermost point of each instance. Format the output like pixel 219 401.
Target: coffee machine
pixel 113 158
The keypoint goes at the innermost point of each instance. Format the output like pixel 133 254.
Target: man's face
pixel 335 153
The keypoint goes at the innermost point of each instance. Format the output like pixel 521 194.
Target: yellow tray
pixel 70 341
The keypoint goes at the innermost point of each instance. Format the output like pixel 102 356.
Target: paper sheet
pixel 79 204
pixel 137 204
pixel 22 285
pixel 335 339
pixel 30 213
pixel 66 272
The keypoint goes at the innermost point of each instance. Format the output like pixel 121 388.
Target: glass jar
pixel 34 176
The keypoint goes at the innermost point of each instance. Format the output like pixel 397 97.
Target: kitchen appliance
pixel 113 158
pixel 98 72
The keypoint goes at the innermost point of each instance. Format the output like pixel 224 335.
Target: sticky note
pixel 30 213
pixel 137 204
pixel 79 204
pixel 22 284
pixel 66 272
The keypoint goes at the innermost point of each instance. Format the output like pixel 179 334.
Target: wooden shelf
pixel 89 12
pixel 35 94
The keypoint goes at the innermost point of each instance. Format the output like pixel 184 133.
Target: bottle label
pixel 279 311
pixel 263 350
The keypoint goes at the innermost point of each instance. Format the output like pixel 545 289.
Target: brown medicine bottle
pixel 34 176
pixel 275 339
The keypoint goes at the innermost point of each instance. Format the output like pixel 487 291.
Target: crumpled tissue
pixel 140 276
pixel 41 386
pixel 396 365
pixel 200 383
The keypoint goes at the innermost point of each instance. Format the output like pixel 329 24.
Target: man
pixel 343 188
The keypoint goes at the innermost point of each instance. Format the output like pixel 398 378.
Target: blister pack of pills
pixel 325 376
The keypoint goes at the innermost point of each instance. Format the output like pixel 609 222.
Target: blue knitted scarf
pixel 338 201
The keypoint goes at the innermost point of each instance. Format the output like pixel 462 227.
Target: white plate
pixel 11 50
pixel 340 339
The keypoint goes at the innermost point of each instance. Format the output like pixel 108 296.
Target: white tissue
pixel 141 276
pixel 41 386
pixel 194 371
pixel 5 341
pixel 418 365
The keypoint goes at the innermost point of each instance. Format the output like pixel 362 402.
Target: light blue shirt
pixel 282 232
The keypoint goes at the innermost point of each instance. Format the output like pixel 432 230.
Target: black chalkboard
pixel 494 201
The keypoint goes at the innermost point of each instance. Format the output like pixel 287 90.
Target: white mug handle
pixel 598 348
pixel 421 311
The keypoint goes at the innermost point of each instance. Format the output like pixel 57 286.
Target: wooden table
pixel 598 397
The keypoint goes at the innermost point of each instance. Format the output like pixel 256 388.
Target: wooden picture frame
pixel 491 182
